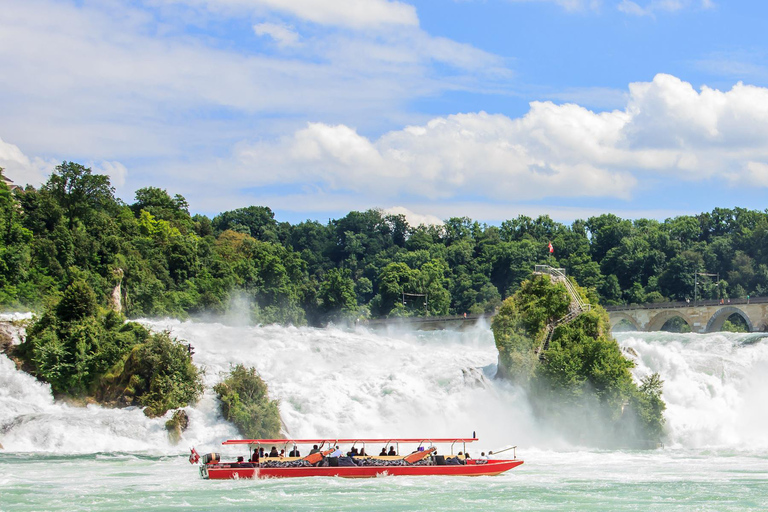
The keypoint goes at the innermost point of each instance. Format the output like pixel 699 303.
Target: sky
pixel 488 109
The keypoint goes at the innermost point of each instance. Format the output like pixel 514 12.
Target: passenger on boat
pixel 294 452
pixel 314 449
pixel 282 453
pixel 391 451
pixel 261 452
pixel 352 452
pixel 482 459
pixel 240 459
pixel 362 452
pixel 273 452
pixel 255 456
pixel 337 452
pixel 383 452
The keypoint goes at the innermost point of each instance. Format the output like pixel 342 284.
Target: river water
pixel 398 383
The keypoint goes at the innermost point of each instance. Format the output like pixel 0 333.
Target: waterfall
pixel 396 383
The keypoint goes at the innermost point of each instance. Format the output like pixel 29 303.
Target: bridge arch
pixel 658 321
pixel 617 317
pixel 717 320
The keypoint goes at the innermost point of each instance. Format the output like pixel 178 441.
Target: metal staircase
pixel 577 306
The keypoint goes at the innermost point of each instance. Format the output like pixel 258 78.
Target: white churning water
pixel 335 382
pixel 399 383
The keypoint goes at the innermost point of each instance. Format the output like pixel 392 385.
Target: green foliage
pixel 78 302
pixel 676 324
pixel 583 380
pixel 80 193
pixel 245 402
pixel 337 293
pixel 647 407
pixel 157 374
pixel 83 351
pixel 735 324
pixel 173 264
pixel 256 221
pixel 176 425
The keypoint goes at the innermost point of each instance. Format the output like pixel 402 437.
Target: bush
pixel 157 375
pixel 245 402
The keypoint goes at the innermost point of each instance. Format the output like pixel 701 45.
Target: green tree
pixel 394 280
pixel 157 375
pixel 161 205
pixel 337 293
pixel 257 221
pixel 78 302
pixel 79 192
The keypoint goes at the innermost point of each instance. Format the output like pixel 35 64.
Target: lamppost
pixel 696 282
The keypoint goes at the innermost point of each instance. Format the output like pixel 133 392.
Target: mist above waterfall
pixel 397 383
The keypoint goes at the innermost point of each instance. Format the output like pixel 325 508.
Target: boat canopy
pixel 353 440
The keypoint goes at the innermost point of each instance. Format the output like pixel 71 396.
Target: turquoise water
pixel 359 383
pixel 661 480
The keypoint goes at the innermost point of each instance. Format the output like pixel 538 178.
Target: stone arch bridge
pixel 702 316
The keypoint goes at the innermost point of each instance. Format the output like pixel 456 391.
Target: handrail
pixel 577 306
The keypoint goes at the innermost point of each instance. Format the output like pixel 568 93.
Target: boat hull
pixel 231 471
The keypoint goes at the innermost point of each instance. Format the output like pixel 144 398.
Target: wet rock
pixel 176 425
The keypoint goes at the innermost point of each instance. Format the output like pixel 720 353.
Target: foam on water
pixel 715 386
pixel 349 383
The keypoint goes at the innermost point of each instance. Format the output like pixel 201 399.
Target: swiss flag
pixel 551 249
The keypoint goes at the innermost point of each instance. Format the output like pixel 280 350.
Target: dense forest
pixel 171 263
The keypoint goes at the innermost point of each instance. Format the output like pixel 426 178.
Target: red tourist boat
pixel 327 459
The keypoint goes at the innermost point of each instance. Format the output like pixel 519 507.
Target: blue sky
pixel 487 109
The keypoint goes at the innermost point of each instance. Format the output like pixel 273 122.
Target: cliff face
pixel 574 371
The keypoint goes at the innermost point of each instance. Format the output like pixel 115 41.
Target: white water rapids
pixel 398 383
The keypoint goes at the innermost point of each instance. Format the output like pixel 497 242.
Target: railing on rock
pixel 577 306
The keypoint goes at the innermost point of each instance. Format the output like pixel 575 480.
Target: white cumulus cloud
pixel 101 79
pixel 667 129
